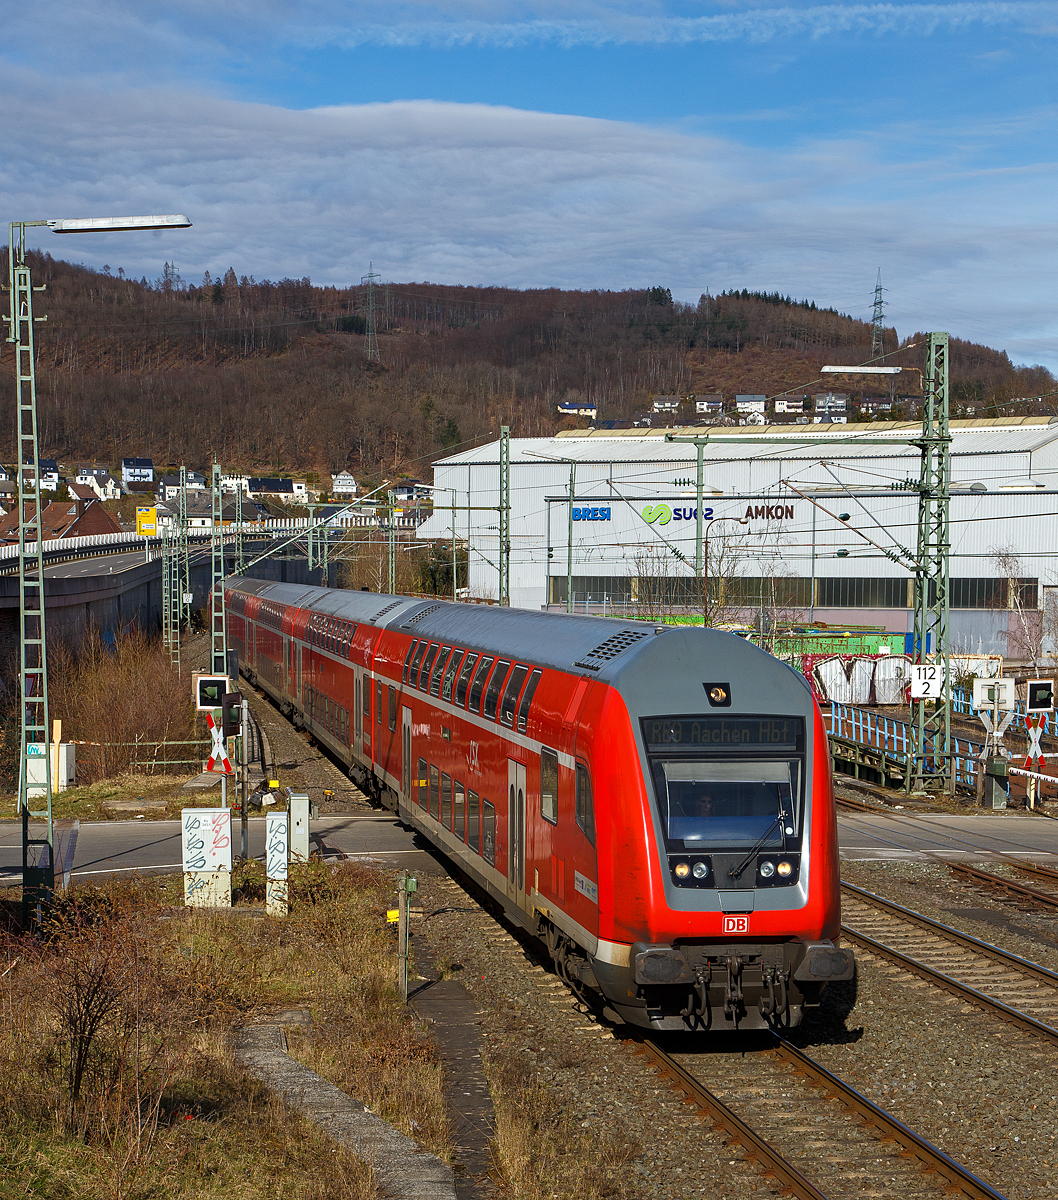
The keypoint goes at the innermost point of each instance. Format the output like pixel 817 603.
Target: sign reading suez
pixel 662 514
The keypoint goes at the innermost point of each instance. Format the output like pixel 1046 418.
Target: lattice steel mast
pixel 933 761
pixel 505 516
pixel 876 320
pixel 371 347
pixel 38 858
pixel 217 619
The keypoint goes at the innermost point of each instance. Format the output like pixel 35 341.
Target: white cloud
pixel 474 194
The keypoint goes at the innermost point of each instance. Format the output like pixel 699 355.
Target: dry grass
pixel 540 1149
pixel 116 1071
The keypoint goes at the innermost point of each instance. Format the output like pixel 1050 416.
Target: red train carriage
pixel 655 803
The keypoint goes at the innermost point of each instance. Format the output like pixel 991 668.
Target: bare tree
pixel 1027 632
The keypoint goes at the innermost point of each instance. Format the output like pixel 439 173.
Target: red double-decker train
pixel 654 802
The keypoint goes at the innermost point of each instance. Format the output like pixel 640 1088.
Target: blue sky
pixel 797 147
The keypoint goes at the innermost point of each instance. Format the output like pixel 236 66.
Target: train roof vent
pixel 425 612
pixel 596 659
pixel 389 608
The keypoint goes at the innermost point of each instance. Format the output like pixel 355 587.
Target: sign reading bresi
pixel 770 512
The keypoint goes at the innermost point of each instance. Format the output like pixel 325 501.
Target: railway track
pixel 818 1137
pixel 1028 898
pixel 1010 987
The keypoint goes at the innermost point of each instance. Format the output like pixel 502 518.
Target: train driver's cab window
pixel 424 674
pixel 492 695
pixel 407 660
pixel 476 688
pixel 421 782
pixel 585 810
pixel 463 682
pixel 438 671
pixel 413 677
pixel 488 840
pixel 549 786
pixel 450 674
pixel 511 693
pixel 527 700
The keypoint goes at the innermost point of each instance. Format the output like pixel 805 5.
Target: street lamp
pixel 569 527
pixel 38 877
pixel 704 575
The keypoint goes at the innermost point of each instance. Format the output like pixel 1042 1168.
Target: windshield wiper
pixel 780 820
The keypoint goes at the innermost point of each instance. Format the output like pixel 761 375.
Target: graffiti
pixel 859 678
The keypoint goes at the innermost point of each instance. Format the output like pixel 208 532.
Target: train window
pixel 458 813
pixel 510 694
pixel 464 679
pixel 438 671
pixel 473 822
pixel 549 786
pixel 393 708
pixel 413 675
pixel 424 674
pixel 407 660
pixel 446 800
pixel 421 780
pixel 488 841
pixel 378 701
pixel 585 808
pixel 476 688
pixel 367 701
pixel 527 699
pixel 435 792
pixel 450 674
pixel 492 696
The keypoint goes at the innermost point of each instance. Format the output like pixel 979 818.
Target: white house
pixel 135 470
pixel 343 484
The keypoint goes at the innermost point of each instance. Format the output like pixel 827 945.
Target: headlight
pixel 700 870
pixel 766 869
pixel 683 870
pixel 784 868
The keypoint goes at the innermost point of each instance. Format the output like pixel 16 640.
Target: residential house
pixel 831 402
pixel 169 485
pixel 577 408
pixel 234 483
pixel 786 405
pixel 49 474
pixel 666 404
pixel 287 491
pixel 410 490
pixel 63 519
pixel 343 484
pixel 750 404
pixel 136 470
pixel 200 512
pixel 711 403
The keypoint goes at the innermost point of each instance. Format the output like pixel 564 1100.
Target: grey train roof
pixel 599 646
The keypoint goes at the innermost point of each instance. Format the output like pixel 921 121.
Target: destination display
pixel 723 733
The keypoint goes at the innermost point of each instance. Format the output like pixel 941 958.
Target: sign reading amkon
pixel 770 512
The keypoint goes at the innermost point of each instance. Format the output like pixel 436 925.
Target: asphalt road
pixel 95 849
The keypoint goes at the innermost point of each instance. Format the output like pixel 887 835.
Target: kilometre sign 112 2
pixel 927 679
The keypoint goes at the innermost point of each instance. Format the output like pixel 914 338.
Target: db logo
pixel 736 924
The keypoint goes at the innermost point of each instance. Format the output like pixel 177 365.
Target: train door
pixel 358 725
pixel 297 659
pixel 516 831
pixel 406 755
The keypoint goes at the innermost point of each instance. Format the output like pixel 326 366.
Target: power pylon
pixel 370 279
pixel 933 765
pixel 876 320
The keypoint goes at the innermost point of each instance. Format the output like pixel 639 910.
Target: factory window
pixel 492 696
pixel 488 841
pixel 510 694
pixel 549 786
pixel 464 679
pixel 473 822
pixel 862 593
pixel 474 703
pixel 527 699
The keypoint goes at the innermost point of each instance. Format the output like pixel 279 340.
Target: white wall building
pixel 787 500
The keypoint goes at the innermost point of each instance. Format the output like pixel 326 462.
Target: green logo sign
pixel 657 512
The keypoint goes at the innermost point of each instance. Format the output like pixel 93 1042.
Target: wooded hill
pixel 272 377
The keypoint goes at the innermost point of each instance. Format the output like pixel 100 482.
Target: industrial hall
pixel 798 524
